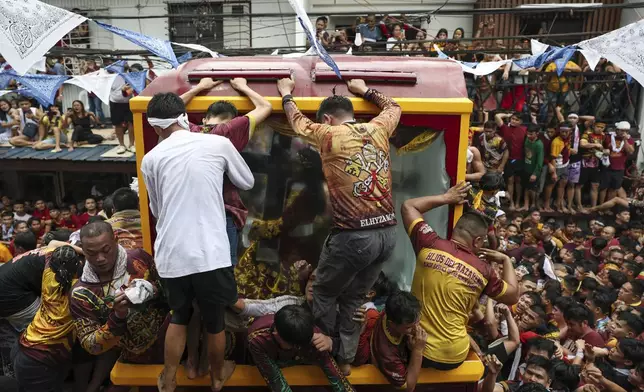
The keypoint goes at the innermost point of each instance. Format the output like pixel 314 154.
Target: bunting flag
pixel 537 47
pixel 185 57
pixel 6 77
pixel 29 28
pixel 43 86
pixel 199 48
pixel 305 22
pixel 479 69
pixel 117 67
pixel 156 46
pixel 623 46
pixel 561 62
pixel 99 83
pixel 591 56
pixel 136 80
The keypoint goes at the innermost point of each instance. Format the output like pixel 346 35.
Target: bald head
pixel 96 229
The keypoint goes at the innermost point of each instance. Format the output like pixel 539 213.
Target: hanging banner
pixel 136 80
pixel 623 47
pixel 185 57
pixel 157 46
pixel 566 55
pixel 99 83
pixel 305 22
pixel 6 77
pixel 591 56
pixel 44 87
pixel 29 28
pixel 117 67
pixel 537 47
pixel 199 48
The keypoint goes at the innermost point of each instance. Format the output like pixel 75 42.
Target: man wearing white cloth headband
pixel 184 176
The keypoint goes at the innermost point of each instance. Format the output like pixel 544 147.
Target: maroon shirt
pixel 389 353
pixel 594 339
pixel 237 131
pixel 514 137
pixel 617 159
pixel 546 148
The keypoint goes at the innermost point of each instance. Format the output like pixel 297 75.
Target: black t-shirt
pixel 20 283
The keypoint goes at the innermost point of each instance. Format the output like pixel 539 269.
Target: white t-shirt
pixel 184 177
pixel 116 94
pixel 24 120
pixel 23 218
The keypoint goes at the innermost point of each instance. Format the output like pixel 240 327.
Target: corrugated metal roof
pixel 92 154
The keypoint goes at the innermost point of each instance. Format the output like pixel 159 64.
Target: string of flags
pixel 48 24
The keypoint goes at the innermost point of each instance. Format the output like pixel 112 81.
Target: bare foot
pixel 191 369
pixel 584 211
pixel 345 368
pixel 56 150
pixel 227 372
pixel 70 149
pixel 548 209
pixel 164 385
pixel 572 210
pixel 564 210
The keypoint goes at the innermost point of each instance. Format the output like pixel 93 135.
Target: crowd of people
pixel 544 305
pixel 25 123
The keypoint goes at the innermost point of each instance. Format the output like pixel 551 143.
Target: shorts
pixel 590 174
pixel 612 179
pixel 52 139
pixel 542 178
pixel 214 291
pixel 120 113
pixel 574 171
pixel 513 168
pixel 527 184
pixel 562 174
pixel 35 376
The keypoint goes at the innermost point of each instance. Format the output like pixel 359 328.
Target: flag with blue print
pixel 136 80
pixel 305 22
pixel 117 67
pixel 159 47
pixel 43 86
pixel 185 57
pixel 561 62
pixel 6 77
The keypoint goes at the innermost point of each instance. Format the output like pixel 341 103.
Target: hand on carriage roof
pixel 208 83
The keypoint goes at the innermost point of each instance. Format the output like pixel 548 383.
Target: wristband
pixel 286 98
pixel 368 94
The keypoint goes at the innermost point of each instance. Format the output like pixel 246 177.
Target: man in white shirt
pixel 30 131
pixel 184 176
pixel 19 213
pixel 120 113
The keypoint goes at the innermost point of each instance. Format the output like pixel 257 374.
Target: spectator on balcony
pixel 423 47
pixel 320 31
pixel 369 31
pixel 52 126
pixel 515 97
pixel 558 87
pixel 341 42
pixel 29 124
pixel 514 135
pixel 532 166
pixel 9 119
pixel 82 122
pixel 618 147
pixel 395 42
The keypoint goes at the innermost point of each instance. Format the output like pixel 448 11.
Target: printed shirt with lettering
pixel 589 159
pixel 51 335
pixel 560 152
pixel 238 131
pixel 389 353
pixel 356 163
pixel 269 358
pixel 127 228
pixel 617 159
pixel 448 281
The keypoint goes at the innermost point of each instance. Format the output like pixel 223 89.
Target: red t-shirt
pixel 617 159
pixel 514 137
pixel 84 218
pixel 594 339
pixel 546 148
pixel 42 215
pixel 238 132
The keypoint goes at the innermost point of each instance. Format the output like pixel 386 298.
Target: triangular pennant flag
pixel 591 57
pixel 44 87
pixel 117 66
pixel 537 47
pixel 198 47
pixel 275 52
pixel 305 22
pixel 350 51
pixel 185 57
pixel 157 46
pixel 99 83
pixel 30 28
pixel 561 62
pixel 441 55
pixel 27 92
pixel 136 80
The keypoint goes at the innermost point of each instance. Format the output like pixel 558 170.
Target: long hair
pixel 83 112
pixel 65 263
pixel 4 115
